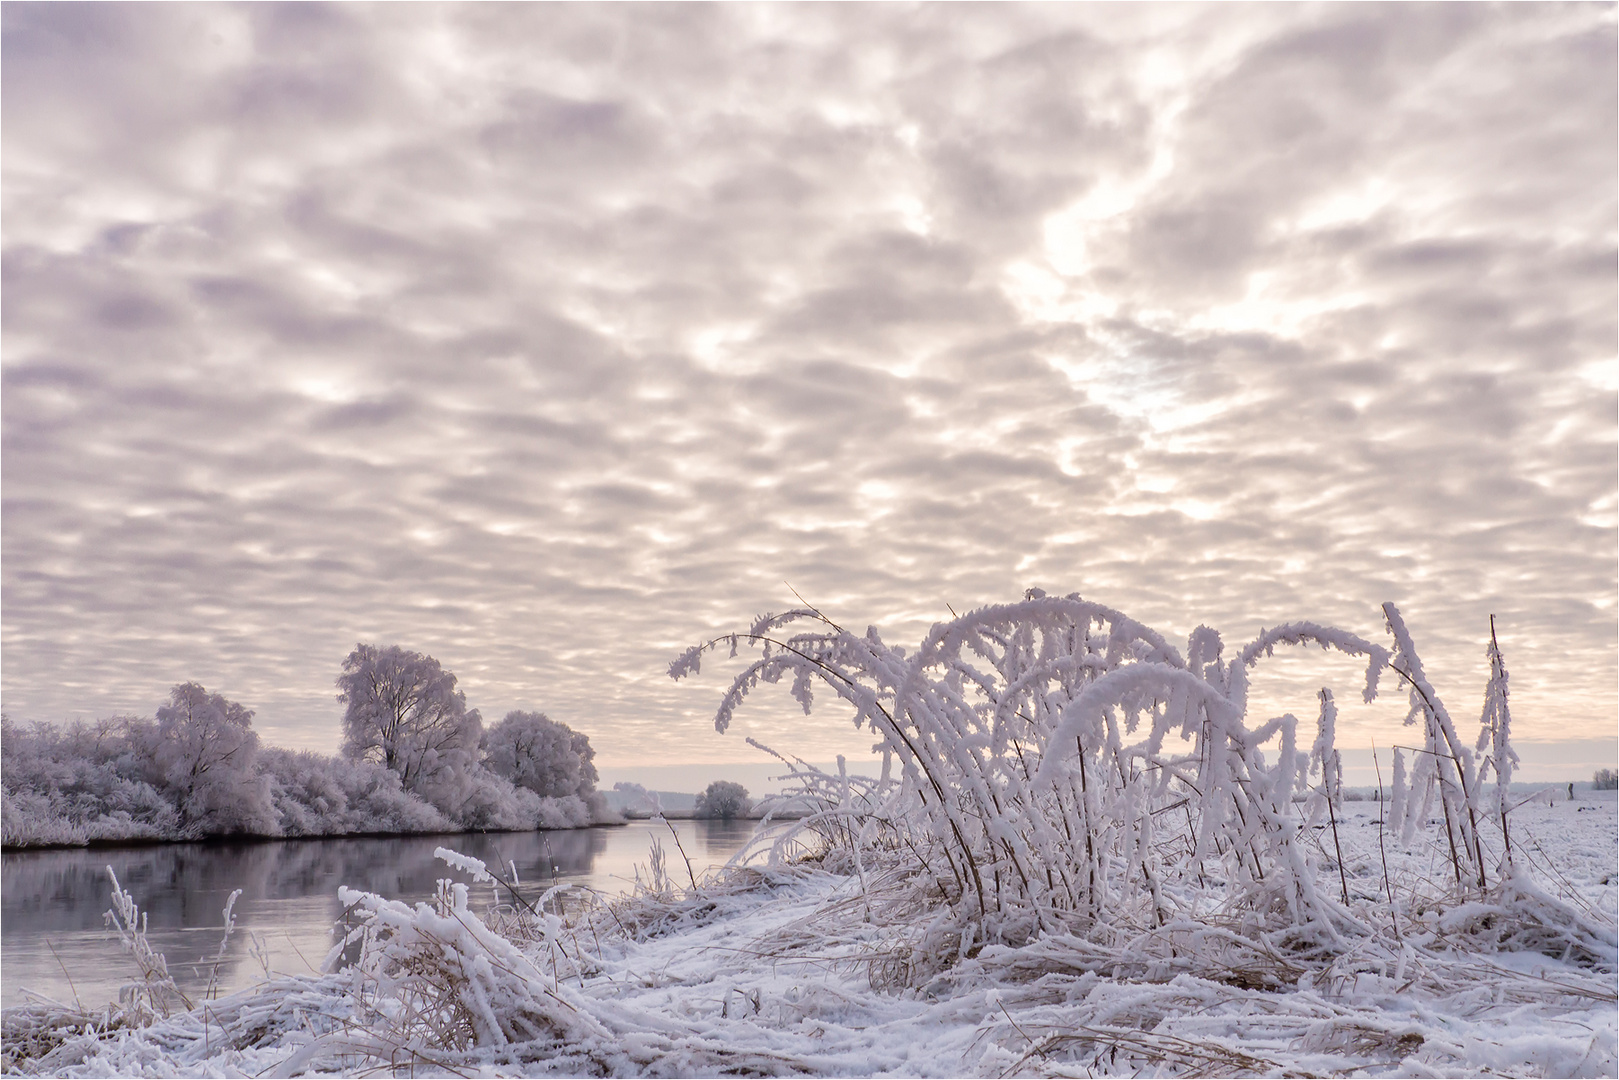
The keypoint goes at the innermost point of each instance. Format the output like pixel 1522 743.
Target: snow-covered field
pixel 1088 864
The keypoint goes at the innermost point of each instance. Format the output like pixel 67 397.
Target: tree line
pixel 413 759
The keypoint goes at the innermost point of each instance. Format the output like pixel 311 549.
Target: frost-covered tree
pixel 540 754
pixel 204 748
pixel 725 800
pixel 1605 780
pixel 405 713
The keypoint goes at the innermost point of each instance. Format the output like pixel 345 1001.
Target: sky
pixel 550 340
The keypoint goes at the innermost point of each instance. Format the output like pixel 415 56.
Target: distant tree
pixel 724 800
pixel 1605 780
pixel 204 749
pixel 638 801
pixel 540 754
pixel 405 713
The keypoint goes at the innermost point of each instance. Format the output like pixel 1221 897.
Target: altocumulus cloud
pixel 551 339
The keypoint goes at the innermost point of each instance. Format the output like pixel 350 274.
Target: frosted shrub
pixel 490 801
pixel 82 782
pixel 27 819
pixel 315 795
pixel 191 773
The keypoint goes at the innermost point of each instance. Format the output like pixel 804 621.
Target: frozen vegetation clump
pixel 415 760
pixel 1056 772
pixel 1083 857
pixel 316 795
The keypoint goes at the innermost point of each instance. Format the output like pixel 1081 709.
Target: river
pixel 54 941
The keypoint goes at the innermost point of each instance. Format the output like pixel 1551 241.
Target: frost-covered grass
pixel 799 970
pixel 1087 862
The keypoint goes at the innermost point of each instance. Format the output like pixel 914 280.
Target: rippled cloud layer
pixel 549 340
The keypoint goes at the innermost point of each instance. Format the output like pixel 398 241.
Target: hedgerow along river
pixel 54 941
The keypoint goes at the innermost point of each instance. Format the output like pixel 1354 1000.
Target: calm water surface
pixel 51 902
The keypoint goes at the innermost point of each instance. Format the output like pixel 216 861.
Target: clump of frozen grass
pixel 33 1035
pixel 1056 771
pixel 435 977
pixel 155 993
pixel 670 897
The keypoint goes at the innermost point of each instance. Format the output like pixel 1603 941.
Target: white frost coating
pixel 1444 764
pixel 1085 713
pixel 1495 731
pixel 474 868
pixel 1324 754
pixel 1297 633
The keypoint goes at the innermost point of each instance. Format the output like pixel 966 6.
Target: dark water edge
pixel 246 838
pixel 53 938
pixel 254 838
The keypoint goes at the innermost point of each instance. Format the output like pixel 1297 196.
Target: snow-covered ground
pixel 803 971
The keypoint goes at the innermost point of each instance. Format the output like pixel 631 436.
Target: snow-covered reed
pixel 1054 769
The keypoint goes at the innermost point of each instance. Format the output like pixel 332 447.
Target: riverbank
pixel 159 841
pixel 248 838
pixel 114 782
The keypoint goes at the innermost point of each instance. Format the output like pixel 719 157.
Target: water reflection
pixel 53 939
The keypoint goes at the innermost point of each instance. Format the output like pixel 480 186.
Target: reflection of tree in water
pixel 182 888
pixel 289 889
pixel 722 838
pixel 179 885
